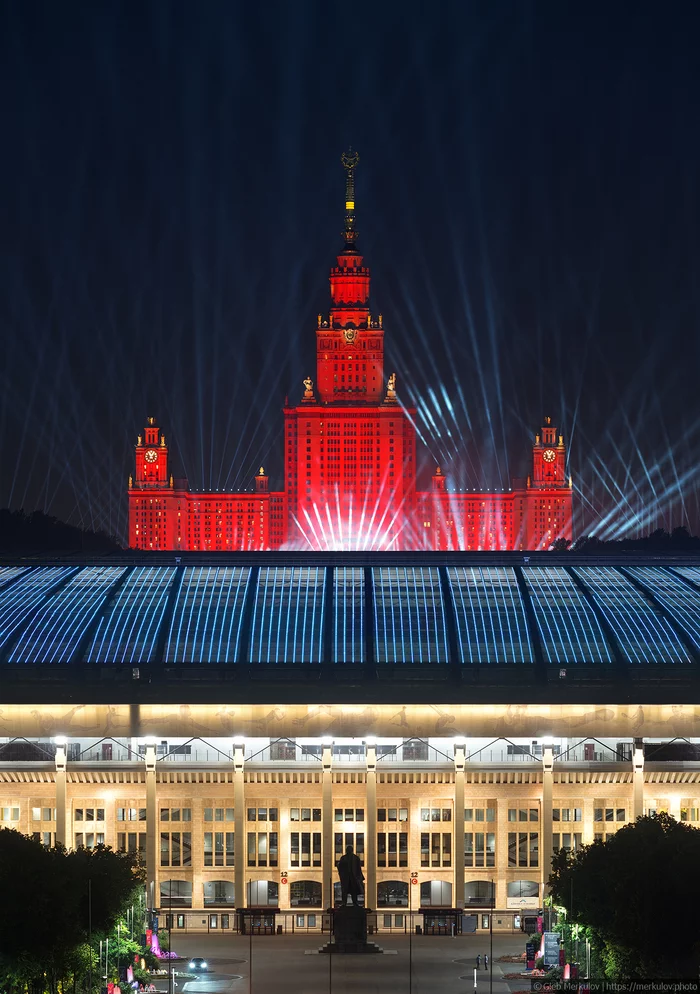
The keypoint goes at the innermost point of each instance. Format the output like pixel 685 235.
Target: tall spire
pixel 350 160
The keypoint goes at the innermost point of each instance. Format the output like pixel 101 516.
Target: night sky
pixel 527 198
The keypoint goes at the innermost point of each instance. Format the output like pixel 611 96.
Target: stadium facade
pixel 349 461
pixel 238 719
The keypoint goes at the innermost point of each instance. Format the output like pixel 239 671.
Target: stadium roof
pixel 484 623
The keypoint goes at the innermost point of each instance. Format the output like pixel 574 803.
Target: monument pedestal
pixel 350 932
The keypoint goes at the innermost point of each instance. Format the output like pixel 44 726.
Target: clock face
pixel 549 455
pixel 350 334
pixel 151 455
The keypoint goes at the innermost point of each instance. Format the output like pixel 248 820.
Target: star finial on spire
pixel 350 160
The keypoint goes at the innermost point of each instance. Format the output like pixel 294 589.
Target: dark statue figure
pixel 351 877
pixel 350 923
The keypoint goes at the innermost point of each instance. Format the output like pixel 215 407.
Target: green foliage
pixel 624 889
pixel 49 947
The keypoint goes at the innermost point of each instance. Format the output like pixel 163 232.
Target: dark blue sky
pixel 527 199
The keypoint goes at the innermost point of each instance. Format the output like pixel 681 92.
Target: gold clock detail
pixel 549 455
pixel 151 455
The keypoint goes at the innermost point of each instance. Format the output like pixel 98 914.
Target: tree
pixel 637 893
pixel 69 894
pixel 560 545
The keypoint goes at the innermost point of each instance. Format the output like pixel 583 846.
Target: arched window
pixel 262 893
pixel 392 894
pixel 435 894
pixel 305 894
pixel 219 894
pixel 479 892
pixel 175 894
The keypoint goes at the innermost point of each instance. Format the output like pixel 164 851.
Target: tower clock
pixel 548 457
pixel 151 457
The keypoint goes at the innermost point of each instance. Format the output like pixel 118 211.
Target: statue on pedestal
pixel 351 877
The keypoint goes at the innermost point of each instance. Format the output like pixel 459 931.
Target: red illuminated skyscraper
pixel 349 461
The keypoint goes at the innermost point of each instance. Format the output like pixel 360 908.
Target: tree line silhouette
pixel 39 532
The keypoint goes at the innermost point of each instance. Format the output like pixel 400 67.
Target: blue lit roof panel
pixel 206 622
pixel 18 601
pixel 569 629
pixel 490 616
pixel 691 572
pixel 642 632
pixel 58 626
pixel 409 615
pixel 348 615
pixel 129 631
pixel 8 573
pixel 680 600
pixel 287 622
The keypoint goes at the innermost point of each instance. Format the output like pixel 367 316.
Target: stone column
pixel 239 847
pixel 327 815
pixel 60 784
pixel 458 819
pixel 500 827
pixel 371 823
pixel 546 830
pixel 152 893
pixel 638 780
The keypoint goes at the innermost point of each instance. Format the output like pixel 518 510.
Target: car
pixel 198 964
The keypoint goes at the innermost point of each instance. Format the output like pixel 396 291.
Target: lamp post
pixel 410 950
pixel 171 972
pixel 493 906
pixel 90 933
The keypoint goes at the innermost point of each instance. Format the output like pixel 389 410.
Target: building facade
pixel 238 720
pixel 349 462
pixel 438 823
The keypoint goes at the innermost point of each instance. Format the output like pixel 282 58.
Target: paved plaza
pixel 283 964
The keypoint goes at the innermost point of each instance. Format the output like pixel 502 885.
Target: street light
pixel 493 906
